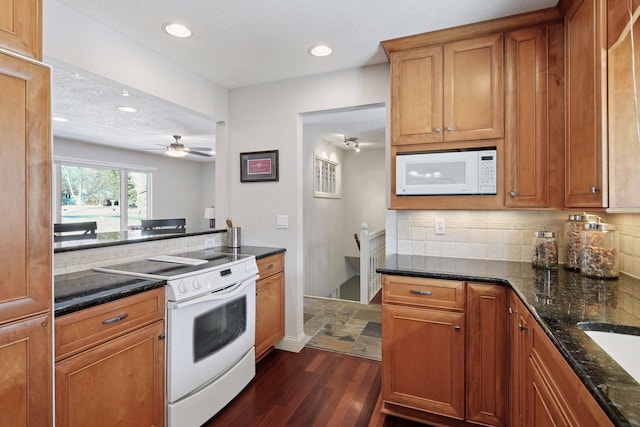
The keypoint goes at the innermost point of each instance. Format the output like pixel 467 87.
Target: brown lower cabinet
pixel 114 374
pixel 25 381
pixel 444 351
pixel 462 354
pixel 269 304
pixel 545 390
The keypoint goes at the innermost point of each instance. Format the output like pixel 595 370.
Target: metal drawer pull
pixel 521 327
pixel 115 319
pixel 266 267
pixel 414 291
pixel 457 328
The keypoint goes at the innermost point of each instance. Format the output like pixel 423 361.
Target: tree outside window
pixel 89 193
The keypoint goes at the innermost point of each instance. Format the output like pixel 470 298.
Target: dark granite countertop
pixel 84 289
pixel 125 237
pixel 257 251
pixel 559 300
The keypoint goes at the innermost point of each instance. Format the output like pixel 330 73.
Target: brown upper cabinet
pixel 624 136
pixel 534 123
pixel 21 27
pixel 448 92
pixel 496 83
pixel 586 110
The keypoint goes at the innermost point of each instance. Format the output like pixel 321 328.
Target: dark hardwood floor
pixel 310 388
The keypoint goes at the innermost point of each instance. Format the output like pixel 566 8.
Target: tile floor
pixel 343 326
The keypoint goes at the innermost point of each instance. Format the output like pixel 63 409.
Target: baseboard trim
pixel 293 344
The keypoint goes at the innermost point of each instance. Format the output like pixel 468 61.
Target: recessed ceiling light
pixel 320 50
pixel 177 30
pixel 59 119
pixel 128 109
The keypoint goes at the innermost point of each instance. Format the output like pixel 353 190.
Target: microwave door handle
pixel 214 296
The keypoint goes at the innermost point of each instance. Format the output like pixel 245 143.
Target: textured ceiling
pixel 238 43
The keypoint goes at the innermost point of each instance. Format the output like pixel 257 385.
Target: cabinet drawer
pixel 86 328
pixel 270 265
pixel 423 292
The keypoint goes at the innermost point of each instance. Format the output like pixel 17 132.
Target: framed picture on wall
pixel 326 178
pixel 259 166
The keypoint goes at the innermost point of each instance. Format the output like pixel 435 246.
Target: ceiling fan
pixel 177 149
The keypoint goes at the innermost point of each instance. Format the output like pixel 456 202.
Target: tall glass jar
pixel 573 229
pixel 545 250
pixel 599 251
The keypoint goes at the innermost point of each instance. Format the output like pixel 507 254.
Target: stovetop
pixel 153 269
pixel 185 280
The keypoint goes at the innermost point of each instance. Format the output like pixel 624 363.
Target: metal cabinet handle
pixel 449 128
pixel 510 310
pixel 115 319
pixel 266 267
pixel 438 130
pixel 522 327
pixel 593 190
pixel 457 328
pixel 513 194
pixel 417 292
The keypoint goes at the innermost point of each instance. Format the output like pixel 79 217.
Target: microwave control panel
pixel 487 172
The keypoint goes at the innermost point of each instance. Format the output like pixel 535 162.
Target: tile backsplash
pixel 503 235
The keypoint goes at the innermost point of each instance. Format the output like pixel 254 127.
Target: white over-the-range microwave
pixel 463 172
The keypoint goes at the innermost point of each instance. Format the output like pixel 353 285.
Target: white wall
pixel 324 264
pixel 364 192
pixel 329 224
pixel 182 188
pixel 266 117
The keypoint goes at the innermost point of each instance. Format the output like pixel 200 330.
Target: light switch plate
pixel 439 226
pixel 282 221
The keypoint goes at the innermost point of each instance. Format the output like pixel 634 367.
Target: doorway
pixel 344 187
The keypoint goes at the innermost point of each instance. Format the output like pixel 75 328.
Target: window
pixel 98 192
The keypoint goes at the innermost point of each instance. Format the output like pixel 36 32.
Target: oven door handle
pixel 215 296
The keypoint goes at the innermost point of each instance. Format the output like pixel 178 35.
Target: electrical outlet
pixel 439 226
pixel 210 243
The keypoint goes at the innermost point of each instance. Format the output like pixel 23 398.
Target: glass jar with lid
pixel 545 250
pixel 599 251
pixel 573 229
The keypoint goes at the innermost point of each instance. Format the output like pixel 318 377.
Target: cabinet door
pixel 416 96
pixel 473 89
pixel 586 169
pixel 21 27
pixel 519 355
pixel 269 313
pixel 423 359
pixel 25 156
pixel 526 143
pixel 117 383
pixel 25 372
pixel 544 410
pixel 487 354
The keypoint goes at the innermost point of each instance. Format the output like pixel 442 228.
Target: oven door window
pixel 218 327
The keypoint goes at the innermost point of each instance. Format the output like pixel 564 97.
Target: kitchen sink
pixel 621 342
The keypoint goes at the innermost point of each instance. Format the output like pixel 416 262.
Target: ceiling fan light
pixel 175 153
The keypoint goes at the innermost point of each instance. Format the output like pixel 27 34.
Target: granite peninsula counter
pixel 558 300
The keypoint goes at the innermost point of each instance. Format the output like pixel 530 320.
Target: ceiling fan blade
pixel 198 153
pixel 205 149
